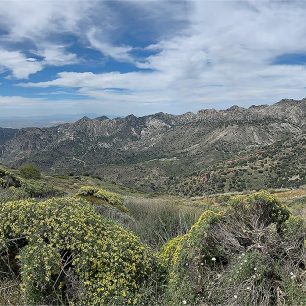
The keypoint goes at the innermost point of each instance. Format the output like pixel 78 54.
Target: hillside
pixel 95 246
pixel 157 152
pixel 280 165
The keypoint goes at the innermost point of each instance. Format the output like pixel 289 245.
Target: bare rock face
pixel 135 149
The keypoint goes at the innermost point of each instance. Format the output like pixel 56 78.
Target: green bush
pixel 40 189
pixel 100 196
pixel 40 263
pixel 12 194
pixel 68 253
pixel 28 189
pixel 8 179
pixel 252 253
pixel 30 172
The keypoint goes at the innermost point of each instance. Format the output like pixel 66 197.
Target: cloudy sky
pixel 142 56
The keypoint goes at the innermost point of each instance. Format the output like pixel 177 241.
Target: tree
pixel 30 172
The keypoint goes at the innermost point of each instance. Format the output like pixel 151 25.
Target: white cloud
pixel 34 19
pixel 18 63
pixel 94 23
pixel 12 106
pixel 39 24
pixel 22 66
pixel 212 52
pixel 169 88
pixel 119 53
pixel 17 100
pixel 57 56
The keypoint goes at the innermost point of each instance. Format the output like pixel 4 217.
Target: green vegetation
pixel 14 187
pixel 30 172
pixel 8 179
pixel 68 253
pixel 251 253
pixel 159 220
pixel 100 196
pixel 265 167
pixel 101 245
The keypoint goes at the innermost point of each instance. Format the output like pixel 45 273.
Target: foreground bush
pixel 66 253
pixel 252 253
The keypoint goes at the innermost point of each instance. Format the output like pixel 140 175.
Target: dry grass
pixel 10 293
pixel 158 220
pixel 291 195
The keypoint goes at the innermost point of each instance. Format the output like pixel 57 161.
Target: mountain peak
pixel 131 117
pixel 289 102
pixel 102 118
pixel 161 115
pixel 84 119
pixel 258 106
pixel 140 149
pixel 235 108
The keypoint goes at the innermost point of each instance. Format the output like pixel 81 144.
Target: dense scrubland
pixel 77 240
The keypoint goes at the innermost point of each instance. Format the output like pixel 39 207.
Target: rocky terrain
pixel 167 152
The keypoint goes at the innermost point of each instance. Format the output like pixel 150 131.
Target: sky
pixel 147 56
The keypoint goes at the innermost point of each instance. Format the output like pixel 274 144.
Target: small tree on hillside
pixel 30 172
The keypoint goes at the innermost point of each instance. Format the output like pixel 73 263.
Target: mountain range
pixel 199 153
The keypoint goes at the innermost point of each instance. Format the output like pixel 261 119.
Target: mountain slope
pixel 155 150
pixel 280 165
pixel 6 135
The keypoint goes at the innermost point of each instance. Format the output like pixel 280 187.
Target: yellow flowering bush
pixel 63 241
pixel 40 265
pixel 261 204
pixel 100 196
pixel 251 253
pixel 169 253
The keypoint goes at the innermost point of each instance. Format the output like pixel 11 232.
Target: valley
pixel 207 152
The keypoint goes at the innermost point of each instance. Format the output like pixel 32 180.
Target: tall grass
pixel 158 220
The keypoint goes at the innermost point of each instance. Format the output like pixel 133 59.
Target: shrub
pixel 8 179
pixel 170 252
pixel 100 196
pixel 13 188
pixel 108 204
pixel 30 172
pixel 12 194
pixel 40 264
pixel 252 253
pixel 67 252
pixel 28 189
pixel 10 293
pixel 39 189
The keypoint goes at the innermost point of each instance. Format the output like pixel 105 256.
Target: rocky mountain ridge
pixel 150 150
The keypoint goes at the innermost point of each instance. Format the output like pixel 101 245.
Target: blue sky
pixel 141 57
